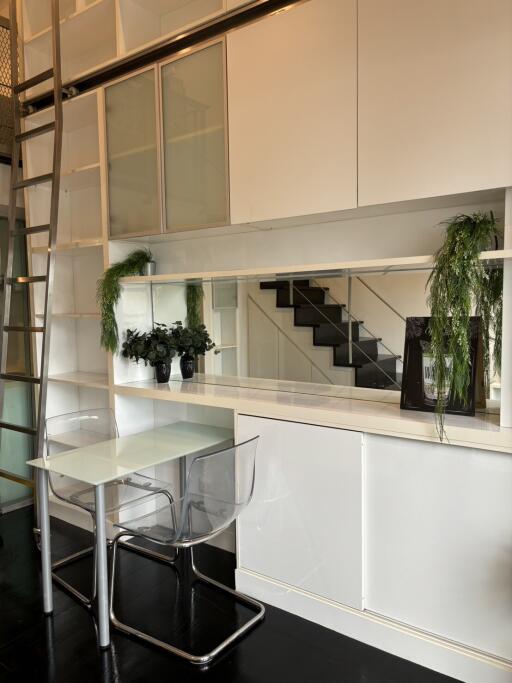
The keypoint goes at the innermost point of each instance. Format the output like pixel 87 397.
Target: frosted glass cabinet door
pixel 134 198
pixel 193 92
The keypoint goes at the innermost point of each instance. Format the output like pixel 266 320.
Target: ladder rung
pixel 31 231
pixel 36 180
pixel 40 130
pixel 20 378
pixel 26 279
pixel 23 328
pixel 18 428
pixel 35 80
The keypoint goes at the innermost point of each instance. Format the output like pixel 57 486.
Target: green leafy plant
pixel 194 298
pixel 157 346
pixel 109 290
pixel 459 285
pixel 192 341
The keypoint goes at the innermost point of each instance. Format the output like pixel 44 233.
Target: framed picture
pixel 418 389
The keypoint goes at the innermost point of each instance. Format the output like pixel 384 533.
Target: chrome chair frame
pixel 200 660
pixel 74 557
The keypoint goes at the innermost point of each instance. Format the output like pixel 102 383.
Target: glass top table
pixel 100 463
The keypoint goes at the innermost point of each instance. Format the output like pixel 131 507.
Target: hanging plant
pixel 460 284
pixel 109 290
pixel 194 299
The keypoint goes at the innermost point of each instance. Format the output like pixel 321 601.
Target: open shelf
pixel 350 408
pixel 143 22
pixel 73 316
pixel 88 39
pixel 94 380
pixel 315 269
pixel 71 246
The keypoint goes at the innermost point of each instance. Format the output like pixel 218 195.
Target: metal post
pixel 44 525
pixel 349 308
pixel 101 567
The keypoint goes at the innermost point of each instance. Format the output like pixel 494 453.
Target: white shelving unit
pixel 143 22
pixel 97 32
pixel 79 368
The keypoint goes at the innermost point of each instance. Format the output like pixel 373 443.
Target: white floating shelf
pixel 340 407
pixel 94 380
pixel 71 246
pixel 341 268
pixel 81 177
pixel 81 316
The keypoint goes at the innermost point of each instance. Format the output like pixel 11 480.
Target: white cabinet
pixel 292 112
pixel 304 525
pixel 439 540
pixel 435 97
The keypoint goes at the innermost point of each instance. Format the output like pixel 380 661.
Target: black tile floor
pixel 63 649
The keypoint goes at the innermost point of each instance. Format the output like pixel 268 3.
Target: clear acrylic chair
pixel 84 428
pixel 218 487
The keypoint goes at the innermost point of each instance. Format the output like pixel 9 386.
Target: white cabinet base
pixel 409 643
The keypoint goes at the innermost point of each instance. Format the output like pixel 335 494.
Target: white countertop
pixel 106 461
pixel 267 398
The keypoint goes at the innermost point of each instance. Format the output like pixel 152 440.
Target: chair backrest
pixel 72 430
pixel 218 487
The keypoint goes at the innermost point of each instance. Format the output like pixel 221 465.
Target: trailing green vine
pixel 194 299
pixel 459 285
pixel 109 290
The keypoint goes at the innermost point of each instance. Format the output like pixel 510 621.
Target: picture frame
pixel 418 389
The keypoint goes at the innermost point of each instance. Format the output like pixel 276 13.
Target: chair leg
pixel 70 559
pixel 193 659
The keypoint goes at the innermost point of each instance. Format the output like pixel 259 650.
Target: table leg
pixel 101 567
pixel 44 524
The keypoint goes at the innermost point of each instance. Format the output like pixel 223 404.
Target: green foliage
pixel 192 341
pixel 459 283
pixel 157 346
pixel 109 290
pixel 194 298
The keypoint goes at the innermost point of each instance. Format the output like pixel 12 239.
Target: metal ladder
pixel 55 126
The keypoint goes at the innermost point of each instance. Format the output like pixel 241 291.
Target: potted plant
pixel 460 284
pixel 109 290
pixel 156 348
pixel 191 342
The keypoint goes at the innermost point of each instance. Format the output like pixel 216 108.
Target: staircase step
pixel 283 284
pixel 333 335
pixel 364 350
pixel 300 296
pixel 378 375
pixel 309 316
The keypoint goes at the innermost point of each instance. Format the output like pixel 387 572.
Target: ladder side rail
pixel 52 237
pixel 15 164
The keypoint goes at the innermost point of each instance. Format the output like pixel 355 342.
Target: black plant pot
pixel 187 365
pixel 163 372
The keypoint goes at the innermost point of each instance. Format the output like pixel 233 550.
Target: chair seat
pixel 119 493
pixel 187 521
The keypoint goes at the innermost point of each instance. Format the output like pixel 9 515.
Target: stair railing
pixel 312 363
pixel 348 309
pixel 348 336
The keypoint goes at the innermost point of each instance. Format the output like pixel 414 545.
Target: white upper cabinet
pixel 435 97
pixel 292 112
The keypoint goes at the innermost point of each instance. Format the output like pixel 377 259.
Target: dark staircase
pixel 331 328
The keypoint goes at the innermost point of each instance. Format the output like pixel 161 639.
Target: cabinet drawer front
pixel 304 525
